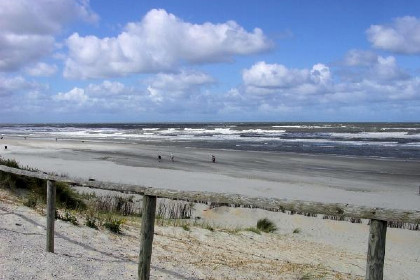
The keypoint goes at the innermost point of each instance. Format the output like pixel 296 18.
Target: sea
pixel 384 140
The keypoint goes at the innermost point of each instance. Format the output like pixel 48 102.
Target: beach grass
pixel 266 225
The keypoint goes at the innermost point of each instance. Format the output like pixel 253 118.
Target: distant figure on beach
pixel 172 157
pixel 159 157
pixel 5 147
pixel 213 158
pixel 55 139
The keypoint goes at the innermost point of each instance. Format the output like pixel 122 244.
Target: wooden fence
pixel 378 216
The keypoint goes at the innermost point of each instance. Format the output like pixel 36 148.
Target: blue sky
pixel 143 61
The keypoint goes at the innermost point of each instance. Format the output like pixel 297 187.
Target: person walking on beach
pixel 172 157
pixel 213 158
pixel 159 158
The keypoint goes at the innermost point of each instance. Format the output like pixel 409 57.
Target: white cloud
pixel 386 69
pixel 27 28
pixel 183 80
pixel 379 80
pixel 361 65
pixel 14 85
pixel 42 69
pixel 320 74
pixel 159 42
pixel 18 50
pixel 402 36
pixel 360 58
pixel 265 75
pixel 107 88
pixel 164 86
pixel 76 95
pixel 263 78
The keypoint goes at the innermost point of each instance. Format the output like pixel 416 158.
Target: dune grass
pixel 265 225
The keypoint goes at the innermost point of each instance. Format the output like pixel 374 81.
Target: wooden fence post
pixel 376 250
pixel 50 215
pixel 146 236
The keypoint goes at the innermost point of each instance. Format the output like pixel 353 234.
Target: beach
pixel 301 247
pixel 321 248
pixel 368 181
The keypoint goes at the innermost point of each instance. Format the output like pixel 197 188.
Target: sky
pixel 209 61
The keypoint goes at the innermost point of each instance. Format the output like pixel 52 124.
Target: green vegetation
pixel 91 222
pixel 186 227
pixel 35 189
pixel 297 230
pixel 31 200
pixel 9 162
pixel 266 225
pixel 113 224
pixel 67 217
pixel 105 211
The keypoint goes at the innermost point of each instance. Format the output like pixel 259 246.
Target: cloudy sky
pixel 142 61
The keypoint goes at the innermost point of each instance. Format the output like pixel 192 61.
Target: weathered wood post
pixel 146 236
pixel 376 250
pixel 50 215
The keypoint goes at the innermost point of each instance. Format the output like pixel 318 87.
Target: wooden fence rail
pixel 378 216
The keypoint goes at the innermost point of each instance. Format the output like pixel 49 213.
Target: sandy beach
pixel 323 249
pixel 375 182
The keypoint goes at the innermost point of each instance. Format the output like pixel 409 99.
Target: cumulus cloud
pixel 159 42
pixel 386 69
pixel 108 97
pixel 275 87
pixel 402 36
pixel 107 88
pixel 14 85
pixel 167 87
pixel 360 65
pixel 181 81
pixel 27 28
pixel 76 95
pixel 360 58
pixel 42 69
pixel 263 78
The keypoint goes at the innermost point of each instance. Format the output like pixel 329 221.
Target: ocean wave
pixel 375 139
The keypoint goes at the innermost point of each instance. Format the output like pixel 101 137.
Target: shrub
pixel 67 217
pixel 68 198
pixel 91 222
pixel 114 224
pixel 9 162
pixel 297 230
pixel 186 227
pixel 266 225
pixel 31 201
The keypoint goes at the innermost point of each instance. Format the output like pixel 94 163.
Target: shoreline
pixel 168 143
